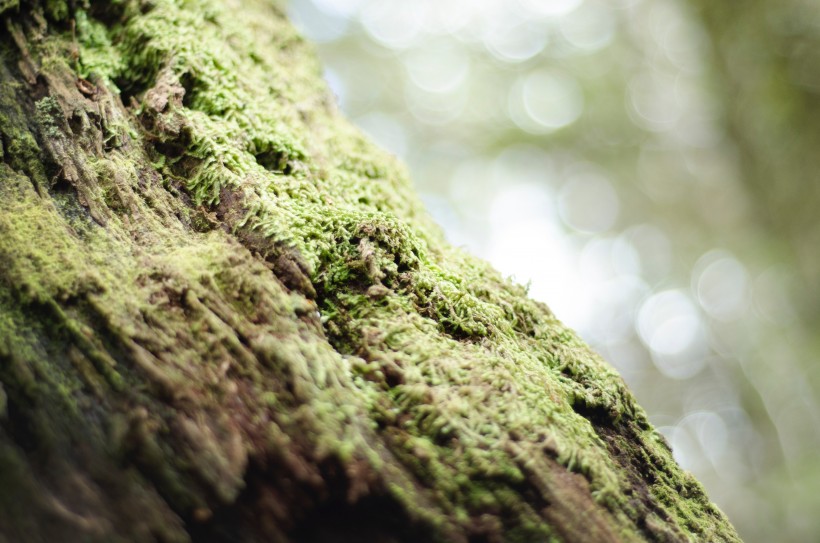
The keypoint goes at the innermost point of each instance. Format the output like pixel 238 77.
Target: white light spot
pixel 516 43
pixel 550 8
pixel 589 28
pixel 436 108
pixel 337 86
pixel 713 435
pixel 437 69
pixel 616 303
pixel 343 8
pixel 316 24
pixel 450 17
pixel 527 243
pixel 678 36
pixel 654 105
pixel 524 163
pixel 629 357
pixel 445 215
pixel 685 447
pixel 544 101
pixel 625 257
pixel 669 324
pixel 385 131
pixel 722 285
pixel 588 202
pixel 393 23
pixel 654 249
pixel 522 201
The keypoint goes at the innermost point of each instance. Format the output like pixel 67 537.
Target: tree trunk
pixel 767 58
pixel 225 317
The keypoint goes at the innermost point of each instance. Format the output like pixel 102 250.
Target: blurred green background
pixel 652 169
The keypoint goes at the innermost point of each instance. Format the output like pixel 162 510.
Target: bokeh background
pixel 652 169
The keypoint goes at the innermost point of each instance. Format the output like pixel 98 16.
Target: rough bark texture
pixel 224 316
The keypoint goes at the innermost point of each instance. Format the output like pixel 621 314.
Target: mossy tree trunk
pixel 224 316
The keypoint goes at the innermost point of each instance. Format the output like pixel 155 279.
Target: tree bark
pixel 224 316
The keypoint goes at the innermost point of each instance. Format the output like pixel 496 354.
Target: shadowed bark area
pixel 225 316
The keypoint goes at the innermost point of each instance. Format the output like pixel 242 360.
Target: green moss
pixel 6 5
pixel 57 9
pixel 97 56
pixel 21 152
pixel 49 114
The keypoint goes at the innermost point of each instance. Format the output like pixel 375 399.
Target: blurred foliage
pixel 649 167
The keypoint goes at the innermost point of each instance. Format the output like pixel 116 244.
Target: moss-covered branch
pixel 225 316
